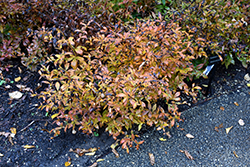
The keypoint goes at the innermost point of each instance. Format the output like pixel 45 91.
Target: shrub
pixel 223 24
pixel 117 84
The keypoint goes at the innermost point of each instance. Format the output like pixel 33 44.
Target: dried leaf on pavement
pixel 235 154
pixel 189 136
pixel 222 108
pixel 28 146
pixel 1 155
pixel 81 152
pixel 188 155
pixel 235 103
pixel 162 139
pixel 241 122
pixel 228 129
pixel 217 128
pixel 152 158
pixel 94 165
pixel 116 153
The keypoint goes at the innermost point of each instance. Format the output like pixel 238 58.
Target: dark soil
pixel 32 124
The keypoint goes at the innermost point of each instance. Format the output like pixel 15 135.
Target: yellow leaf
pixel 228 129
pixel 162 139
pixel 248 85
pixel 99 160
pixel 17 79
pixel 67 163
pixel 13 130
pixel 28 146
pixel 116 153
pixel 90 154
pixel 236 103
pixel 54 115
pixel 57 85
pixel 235 154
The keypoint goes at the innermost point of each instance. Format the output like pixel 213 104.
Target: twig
pixel 27 126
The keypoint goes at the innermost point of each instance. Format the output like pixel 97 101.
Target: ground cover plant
pixel 107 63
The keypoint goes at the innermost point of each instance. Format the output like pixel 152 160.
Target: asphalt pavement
pixel 211 145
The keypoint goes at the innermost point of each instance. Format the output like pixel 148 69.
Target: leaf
pixel 247 77
pixel 248 85
pixel 90 154
pixel 121 95
pixel 189 136
pixel 13 130
pixel 74 64
pixel 15 95
pixel 99 160
pixel 94 164
pixel 217 128
pixel 54 115
pixel 152 158
pixel 28 146
pixel 222 108
pixel 140 126
pixel 116 153
pixel 162 139
pixel 57 85
pixel 1 155
pixel 114 145
pixel 188 155
pixel 235 154
pixel 241 122
pixel 228 129
pixel 17 79
pixel 236 103
pixel 67 163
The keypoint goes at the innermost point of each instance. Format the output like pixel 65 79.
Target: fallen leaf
pixel 116 153
pixel 247 77
pixel 166 152
pixel 188 155
pixel 90 154
pixel 235 154
pixel 1 155
pixel 241 122
pixel 81 152
pixel 217 128
pixel 236 103
pixel 168 134
pixel 162 139
pixel 189 136
pixel 6 134
pixel 222 108
pixel 10 140
pixel 248 84
pixel 67 163
pixel 152 158
pixel 114 145
pixel 13 130
pixel 73 131
pixel 17 79
pixel 99 160
pixel 15 95
pixel 94 165
pixel 28 146
pixel 228 129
